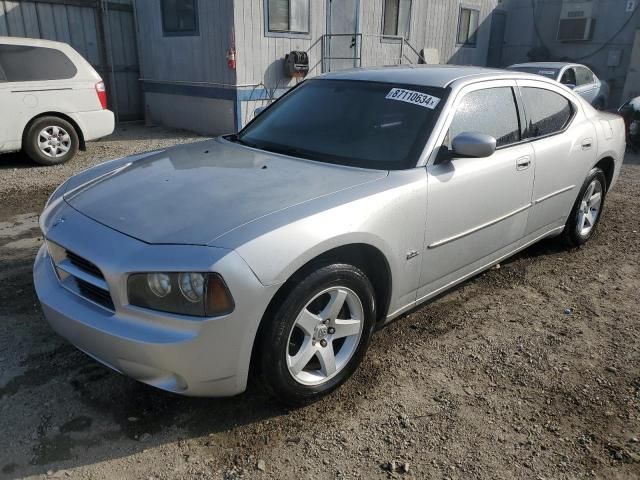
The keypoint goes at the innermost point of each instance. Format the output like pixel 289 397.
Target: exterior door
pixel 496 40
pixel 477 208
pixel 342 43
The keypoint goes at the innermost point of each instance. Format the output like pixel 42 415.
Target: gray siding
pixel 194 59
pixel 260 57
pixel 434 24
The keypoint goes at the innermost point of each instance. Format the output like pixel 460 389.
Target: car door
pixel 8 131
pixel 477 208
pixel 564 144
pixel 585 86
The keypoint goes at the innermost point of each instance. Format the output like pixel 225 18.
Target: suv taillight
pixel 102 94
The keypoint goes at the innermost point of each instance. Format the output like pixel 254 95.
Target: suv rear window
pixel 25 64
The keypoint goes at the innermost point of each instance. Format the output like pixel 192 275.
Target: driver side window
pixel 491 111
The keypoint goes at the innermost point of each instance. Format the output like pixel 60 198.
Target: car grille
pixel 96 294
pixel 81 276
pixel 83 264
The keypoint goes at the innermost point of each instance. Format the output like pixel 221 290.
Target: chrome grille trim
pixel 80 276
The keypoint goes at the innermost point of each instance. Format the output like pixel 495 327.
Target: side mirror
pixel 473 144
pixel 258 111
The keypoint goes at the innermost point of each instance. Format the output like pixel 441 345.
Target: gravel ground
pixel 527 371
pixel 22 181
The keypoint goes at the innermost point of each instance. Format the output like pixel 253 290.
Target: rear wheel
pixel 50 141
pixel 318 336
pixel 586 212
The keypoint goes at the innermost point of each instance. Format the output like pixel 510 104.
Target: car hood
pixel 193 194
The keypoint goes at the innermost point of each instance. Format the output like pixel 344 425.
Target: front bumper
pixel 197 357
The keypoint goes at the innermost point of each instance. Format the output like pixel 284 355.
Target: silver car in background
pixel 353 198
pixel 574 76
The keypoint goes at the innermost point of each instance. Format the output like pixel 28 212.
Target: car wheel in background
pixel 50 141
pixel 319 334
pixel 587 209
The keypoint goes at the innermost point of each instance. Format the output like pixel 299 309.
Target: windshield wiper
pixel 236 139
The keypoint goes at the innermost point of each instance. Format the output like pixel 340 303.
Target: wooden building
pixel 207 64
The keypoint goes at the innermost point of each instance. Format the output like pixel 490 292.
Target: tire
pixel 62 135
pixel 296 332
pixel 578 230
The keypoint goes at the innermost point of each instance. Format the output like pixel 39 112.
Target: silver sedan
pixel 574 76
pixel 355 197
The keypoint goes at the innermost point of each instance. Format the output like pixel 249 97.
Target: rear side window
pixel 549 112
pixel 24 64
pixel 583 76
pixel 491 111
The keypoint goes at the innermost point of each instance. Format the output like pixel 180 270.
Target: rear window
pixel 549 112
pixel 21 63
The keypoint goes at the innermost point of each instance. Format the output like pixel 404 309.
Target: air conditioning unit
pixel 576 21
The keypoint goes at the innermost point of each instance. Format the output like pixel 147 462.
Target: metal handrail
pixel 358 37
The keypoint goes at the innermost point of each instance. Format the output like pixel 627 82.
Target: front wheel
pixel 318 336
pixel 586 212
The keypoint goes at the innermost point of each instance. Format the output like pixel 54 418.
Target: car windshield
pixel 551 73
pixel 364 124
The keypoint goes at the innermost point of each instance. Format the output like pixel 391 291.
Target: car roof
pixel 425 75
pixel 547 64
pixel 32 42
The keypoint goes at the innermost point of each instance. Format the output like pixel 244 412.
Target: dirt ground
pixel 528 371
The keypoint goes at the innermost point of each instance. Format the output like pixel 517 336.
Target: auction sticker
pixel 411 96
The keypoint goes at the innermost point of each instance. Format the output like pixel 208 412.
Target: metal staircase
pixel 347 50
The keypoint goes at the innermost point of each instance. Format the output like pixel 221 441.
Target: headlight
pixel 185 293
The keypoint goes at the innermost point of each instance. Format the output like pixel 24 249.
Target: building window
pixel 288 16
pixel 468 27
pixel 179 17
pixel 397 14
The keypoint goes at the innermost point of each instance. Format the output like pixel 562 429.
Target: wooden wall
pixel 434 24
pixel 193 59
pixel 260 58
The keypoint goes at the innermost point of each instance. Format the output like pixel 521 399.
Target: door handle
pixel 523 163
pixel 586 144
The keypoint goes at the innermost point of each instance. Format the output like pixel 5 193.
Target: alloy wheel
pixel 590 207
pixel 325 335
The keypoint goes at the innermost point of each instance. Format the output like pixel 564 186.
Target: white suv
pixel 52 101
